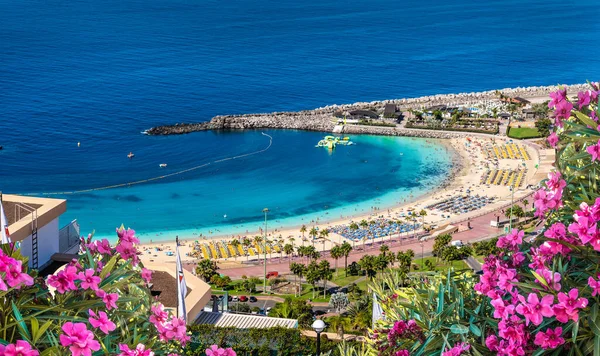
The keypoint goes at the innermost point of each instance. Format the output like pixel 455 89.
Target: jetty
pixel 327 119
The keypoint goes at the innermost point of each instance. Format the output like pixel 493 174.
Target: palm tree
pixel 384 249
pixel 303 230
pixel 525 203
pixel 291 239
pixel 246 243
pixel 313 233
pixel 422 214
pixel 288 249
pixel 336 252
pixel 339 324
pixel 298 270
pixel 364 223
pixel 326 275
pixel 346 248
pixel 235 244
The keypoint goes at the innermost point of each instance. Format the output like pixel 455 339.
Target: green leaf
pixel 475 330
pixel 19 318
pixel 575 330
pixel 440 299
pixel 108 267
pixel 459 329
pixel 35 326
pixel 42 330
pixel 540 279
pixel 585 119
pixel 597 345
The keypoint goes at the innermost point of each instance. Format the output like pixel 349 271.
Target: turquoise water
pixel 296 181
pixel 100 72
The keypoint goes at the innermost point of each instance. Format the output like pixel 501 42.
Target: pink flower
pixel 584 98
pixel 595 285
pixel 88 280
pixel 101 321
pixel 501 310
pixel 457 350
pixel 569 305
pixel 103 247
pixel 491 342
pixel 583 228
pixel 15 277
pixel 557 97
pixel 214 350
pixel 511 241
pixel 550 339
pixel 128 251
pixel 176 330
pixel 562 112
pixel 159 316
pixel 553 139
pixel 64 280
pixel 79 339
pixel 20 348
pixel 140 350
pixel 146 275
pixel 402 353
pixel 535 310
pixel 594 150
pixel 127 236
pixel 110 300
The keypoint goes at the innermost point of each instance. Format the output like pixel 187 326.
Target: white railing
pixel 68 236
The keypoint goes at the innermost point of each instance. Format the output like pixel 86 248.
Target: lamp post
pixel 319 326
pixel 512 202
pixel 266 211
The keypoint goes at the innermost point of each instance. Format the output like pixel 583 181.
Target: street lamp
pixel 266 211
pixel 319 326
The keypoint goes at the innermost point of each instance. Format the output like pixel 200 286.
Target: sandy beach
pixel 469 164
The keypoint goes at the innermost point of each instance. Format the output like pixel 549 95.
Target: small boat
pixel 162 165
pixel 130 155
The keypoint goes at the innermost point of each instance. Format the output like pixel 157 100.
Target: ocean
pixel 99 73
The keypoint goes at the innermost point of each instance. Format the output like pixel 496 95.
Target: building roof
pixel 164 288
pixel 368 113
pixel 19 209
pixel 242 321
pixel 389 109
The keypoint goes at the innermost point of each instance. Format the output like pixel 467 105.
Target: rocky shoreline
pixel 322 119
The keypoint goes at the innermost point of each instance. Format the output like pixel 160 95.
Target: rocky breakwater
pixel 303 120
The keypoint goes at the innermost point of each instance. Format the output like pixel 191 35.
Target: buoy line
pixel 158 177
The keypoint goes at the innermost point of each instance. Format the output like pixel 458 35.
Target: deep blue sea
pixel 100 72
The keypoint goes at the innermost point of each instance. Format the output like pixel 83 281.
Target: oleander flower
pixel 594 151
pixel 550 339
pixel 140 350
pixel 79 339
pixel 457 349
pixel 534 310
pixel 215 350
pixel 127 236
pixel 147 275
pixel 64 280
pixel 15 277
pixel 89 280
pixel 553 139
pixel 101 321
pixel 20 348
pixel 109 299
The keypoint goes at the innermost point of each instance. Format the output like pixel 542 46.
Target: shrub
pixel 99 302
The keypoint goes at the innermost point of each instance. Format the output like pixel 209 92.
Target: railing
pixel 68 236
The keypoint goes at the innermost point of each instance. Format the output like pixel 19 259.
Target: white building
pixel 34 223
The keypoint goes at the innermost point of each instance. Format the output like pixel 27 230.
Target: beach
pixel 469 163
